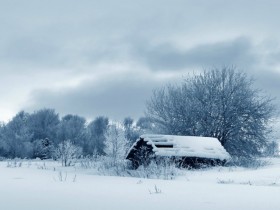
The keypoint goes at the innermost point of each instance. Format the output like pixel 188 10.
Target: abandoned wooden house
pixel 185 151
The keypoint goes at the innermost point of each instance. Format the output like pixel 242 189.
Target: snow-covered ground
pixel 46 186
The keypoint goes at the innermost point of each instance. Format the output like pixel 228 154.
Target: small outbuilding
pixel 185 151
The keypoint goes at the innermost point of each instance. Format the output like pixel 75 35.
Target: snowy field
pixel 39 185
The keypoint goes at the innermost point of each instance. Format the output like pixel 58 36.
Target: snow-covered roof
pixel 186 146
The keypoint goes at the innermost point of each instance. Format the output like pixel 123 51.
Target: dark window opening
pixel 165 146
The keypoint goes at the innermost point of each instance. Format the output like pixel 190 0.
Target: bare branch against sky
pixel 94 57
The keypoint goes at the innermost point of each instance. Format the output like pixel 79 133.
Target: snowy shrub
pixel 223 181
pixel 155 191
pixel 63 177
pixel 42 166
pixel 119 168
pixel 15 163
pixel 247 162
pixel 159 169
pixel 68 152
pixel 88 162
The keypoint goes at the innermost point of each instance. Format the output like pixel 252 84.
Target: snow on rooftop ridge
pixel 188 146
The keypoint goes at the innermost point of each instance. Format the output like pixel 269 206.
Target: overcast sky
pixel 92 57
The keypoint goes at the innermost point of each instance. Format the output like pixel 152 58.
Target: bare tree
pixel 68 152
pixel 116 144
pixel 219 103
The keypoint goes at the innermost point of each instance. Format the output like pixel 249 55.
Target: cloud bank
pixel 105 57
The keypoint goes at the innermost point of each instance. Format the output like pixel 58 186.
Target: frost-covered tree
pixel 3 144
pixel 128 126
pixel 43 124
pixel 116 144
pixel 16 136
pixel 72 127
pixel 43 149
pixel 219 103
pixel 130 130
pixel 145 125
pixel 273 149
pixel 96 136
pixel 67 152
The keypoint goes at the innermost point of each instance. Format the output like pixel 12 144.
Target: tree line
pixel 39 134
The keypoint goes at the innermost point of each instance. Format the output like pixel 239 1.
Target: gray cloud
pixel 66 34
pixel 58 33
pixel 116 98
pixel 269 82
pixel 167 57
pixel 28 50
